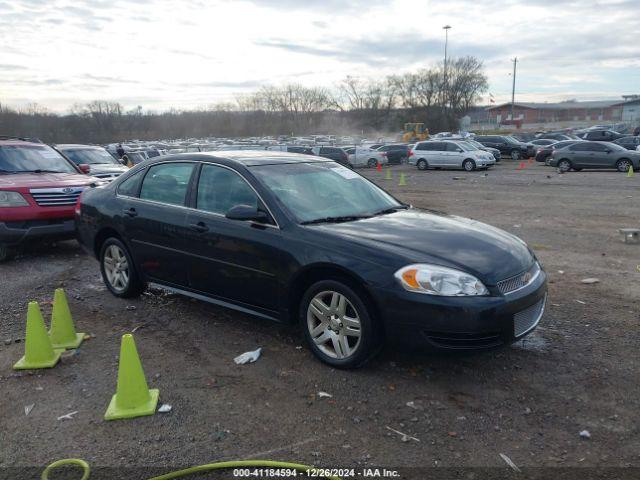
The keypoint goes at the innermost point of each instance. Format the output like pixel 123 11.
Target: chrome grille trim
pixel 527 319
pixel 517 282
pixel 55 197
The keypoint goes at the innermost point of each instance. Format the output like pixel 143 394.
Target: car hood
pixel 422 236
pixel 41 180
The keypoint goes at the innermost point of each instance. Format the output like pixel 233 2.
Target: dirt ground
pixel 578 371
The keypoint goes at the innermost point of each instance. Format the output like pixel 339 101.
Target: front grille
pixel 464 341
pixel 519 281
pixel 528 318
pixel 106 176
pixel 55 197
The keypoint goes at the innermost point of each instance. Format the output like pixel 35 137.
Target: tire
pixel 516 155
pixel 127 284
pixel 324 325
pixel 623 165
pixel 564 165
pixel 577 169
pixel 6 253
pixel 372 163
pixel 422 164
pixel 468 165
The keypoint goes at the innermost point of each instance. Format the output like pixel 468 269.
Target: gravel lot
pixel 578 371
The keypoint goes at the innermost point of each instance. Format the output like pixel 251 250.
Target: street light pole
pixel 446 42
pixel 513 88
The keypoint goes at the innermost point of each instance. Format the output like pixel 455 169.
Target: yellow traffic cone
pixel 38 352
pixel 388 175
pixel 630 171
pixel 133 397
pixel 63 333
pixel 402 181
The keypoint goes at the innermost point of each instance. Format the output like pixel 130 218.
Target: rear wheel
pixel 469 165
pixel 516 155
pixel 118 271
pixel 372 163
pixel 422 164
pixel 338 326
pixel 564 165
pixel 623 165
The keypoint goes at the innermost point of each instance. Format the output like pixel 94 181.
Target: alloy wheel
pixel 624 165
pixel 334 324
pixel 116 268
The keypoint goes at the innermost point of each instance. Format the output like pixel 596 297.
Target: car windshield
pixel 466 146
pixel 511 140
pixel 89 156
pixel 616 147
pixel 324 192
pixel 32 158
pixel 478 145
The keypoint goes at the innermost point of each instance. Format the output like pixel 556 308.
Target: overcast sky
pixel 191 53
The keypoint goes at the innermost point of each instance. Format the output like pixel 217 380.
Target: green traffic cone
pixel 133 397
pixel 630 172
pixel 388 175
pixel 63 333
pixel 38 352
pixel 402 181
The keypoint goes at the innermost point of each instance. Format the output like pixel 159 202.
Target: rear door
pixel 601 155
pixel 233 260
pixel 154 222
pixel 438 154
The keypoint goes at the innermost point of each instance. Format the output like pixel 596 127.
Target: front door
pixel 232 260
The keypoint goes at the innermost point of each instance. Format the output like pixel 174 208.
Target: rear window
pixel 32 158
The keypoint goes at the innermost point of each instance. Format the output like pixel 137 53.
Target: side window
pixel 421 146
pixel 452 147
pixel 129 188
pixel 440 147
pixel 167 183
pixel 220 189
pixel 579 147
pixel 598 147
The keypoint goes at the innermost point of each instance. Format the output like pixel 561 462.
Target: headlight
pixel 12 199
pixel 437 280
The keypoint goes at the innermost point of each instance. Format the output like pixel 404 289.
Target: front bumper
pixel 14 233
pixel 461 323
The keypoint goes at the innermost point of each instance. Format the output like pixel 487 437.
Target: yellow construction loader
pixel 414 132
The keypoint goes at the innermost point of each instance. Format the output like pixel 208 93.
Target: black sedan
pixel 543 154
pixel 295 238
pixel 396 153
pixel 507 145
pixel 630 142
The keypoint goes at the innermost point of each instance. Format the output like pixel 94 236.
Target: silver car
pixel 449 154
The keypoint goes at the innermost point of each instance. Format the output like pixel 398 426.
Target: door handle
pixel 199 227
pixel 131 212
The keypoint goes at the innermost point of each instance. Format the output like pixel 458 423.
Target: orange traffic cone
pixel 522 166
pixel 379 167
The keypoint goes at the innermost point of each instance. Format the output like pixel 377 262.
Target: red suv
pixel 39 189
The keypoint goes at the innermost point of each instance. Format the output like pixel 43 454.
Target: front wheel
pixel 422 164
pixel 516 155
pixel 337 324
pixel 623 165
pixel 372 163
pixel 469 165
pixel 118 271
pixel 564 165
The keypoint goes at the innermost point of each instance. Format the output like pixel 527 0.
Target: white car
pixel 449 154
pixel 362 156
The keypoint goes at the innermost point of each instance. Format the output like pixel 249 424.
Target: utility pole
pixel 446 42
pixel 513 88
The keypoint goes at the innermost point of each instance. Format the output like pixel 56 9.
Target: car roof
pixel 247 158
pixel 18 142
pixel 65 146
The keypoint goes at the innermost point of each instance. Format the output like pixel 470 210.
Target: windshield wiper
pixel 391 210
pixel 345 218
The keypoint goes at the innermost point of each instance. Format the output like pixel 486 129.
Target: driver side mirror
pixel 247 213
pixel 84 168
pixel 459 150
pixel 608 151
